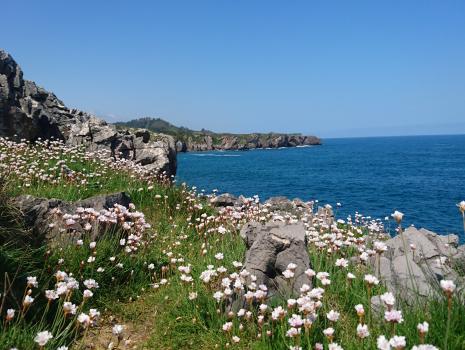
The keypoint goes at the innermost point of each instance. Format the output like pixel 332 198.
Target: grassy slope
pixel 175 322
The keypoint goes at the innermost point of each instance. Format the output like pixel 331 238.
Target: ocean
pixel 421 176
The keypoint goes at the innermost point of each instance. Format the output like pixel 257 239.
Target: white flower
pixel 278 313
pixel 62 348
pixel 394 316
pixel 448 286
pixel 398 342
pixel 288 274
pixel 342 262
pixel 423 327
pixel 424 347
pixel 218 296
pixel 371 280
pixel 360 310
pixel 84 319
pixel 380 247
pixel 92 245
pixel 322 275
pixel 69 308
pixel 310 273
pixel 219 256
pixel 87 294
pixel 235 339
pixel 192 295
pixel 28 300
pixel 362 331
pixel 292 332
pixel 388 299
pixel 117 329
pixel 398 216
pixel 291 266
pixel 350 276
pixel 51 295
pixel 10 314
pixel 296 321
pixel 42 338
pixel 94 314
pixel 334 346
pixel 328 332
pixel 32 282
pixel 333 316
pixel 382 343
pixel 461 206
pixel 91 283
pixel 237 264
pixel 227 327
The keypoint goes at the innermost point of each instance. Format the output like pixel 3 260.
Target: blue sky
pixel 332 68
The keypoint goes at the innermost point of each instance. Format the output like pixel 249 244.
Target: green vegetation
pixel 151 277
pixel 159 125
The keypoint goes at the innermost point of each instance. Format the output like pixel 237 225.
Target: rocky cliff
pixel 188 140
pixel 30 112
pixel 244 142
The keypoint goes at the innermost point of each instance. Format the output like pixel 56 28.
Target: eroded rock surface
pixel 271 248
pixel 414 268
pixel 38 213
pixel 30 112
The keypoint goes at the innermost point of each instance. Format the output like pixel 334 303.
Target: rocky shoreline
pixel 188 140
pixel 245 142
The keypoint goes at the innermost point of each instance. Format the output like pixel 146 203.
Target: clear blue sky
pixel 332 68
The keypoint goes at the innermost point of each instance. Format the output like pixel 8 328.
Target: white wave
pixel 214 155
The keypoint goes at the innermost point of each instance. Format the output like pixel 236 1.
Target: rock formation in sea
pixel 30 112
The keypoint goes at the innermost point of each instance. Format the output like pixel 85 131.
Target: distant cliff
pixel 188 140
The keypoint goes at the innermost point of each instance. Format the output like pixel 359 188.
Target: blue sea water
pixel 422 176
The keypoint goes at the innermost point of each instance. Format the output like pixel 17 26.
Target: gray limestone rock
pixel 225 200
pixel 415 262
pixel 38 212
pixel 30 112
pixel 271 248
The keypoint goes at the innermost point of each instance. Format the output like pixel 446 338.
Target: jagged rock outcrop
pixel 28 111
pixel 414 269
pixel 270 249
pixel 38 213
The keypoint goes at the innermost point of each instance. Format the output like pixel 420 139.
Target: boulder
pixel 30 112
pixel 271 248
pixel 225 200
pixel 283 205
pixel 414 267
pixel 38 212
